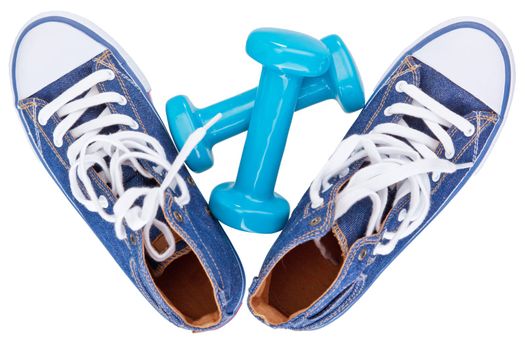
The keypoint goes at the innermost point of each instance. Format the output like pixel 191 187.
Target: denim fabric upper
pixel 197 228
pixel 360 267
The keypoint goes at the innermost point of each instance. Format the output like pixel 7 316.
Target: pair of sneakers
pixel 429 124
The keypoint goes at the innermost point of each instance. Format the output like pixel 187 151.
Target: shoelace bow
pixel 394 162
pixel 110 153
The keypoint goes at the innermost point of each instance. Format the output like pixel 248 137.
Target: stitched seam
pixel 101 60
pixel 405 201
pixel 92 174
pixel 106 63
pixel 141 288
pixel 186 237
pixel 411 69
pixel 101 185
pixel 207 251
pixel 463 150
pixel 36 124
pixel 478 132
pixel 162 266
pixel 341 307
pixel 343 242
pixel 490 118
pixel 307 235
pixel 25 107
pixel 370 240
pixel 119 75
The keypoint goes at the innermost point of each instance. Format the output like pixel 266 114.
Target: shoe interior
pixel 298 280
pixel 186 287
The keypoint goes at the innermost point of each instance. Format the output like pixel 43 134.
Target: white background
pixel 459 285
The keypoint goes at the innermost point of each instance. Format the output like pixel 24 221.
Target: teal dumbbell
pixel 340 82
pixel 250 202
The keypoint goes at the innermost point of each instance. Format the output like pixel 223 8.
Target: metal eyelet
pixel 208 211
pixel 362 254
pixel 178 216
pixel 315 221
pixel 132 239
pixel 191 181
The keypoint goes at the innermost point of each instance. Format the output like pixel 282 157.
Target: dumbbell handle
pixel 261 158
pixel 236 111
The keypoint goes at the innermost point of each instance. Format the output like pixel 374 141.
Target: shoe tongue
pixel 130 176
pixel 354 222
pixel 440 88
pixel 53 90
pixel 160 244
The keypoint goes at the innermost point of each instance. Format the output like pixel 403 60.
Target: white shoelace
pixel 393 162
pixel 110 153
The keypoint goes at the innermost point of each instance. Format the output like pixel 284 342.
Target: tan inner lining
pixel 298 280
pixel 186 287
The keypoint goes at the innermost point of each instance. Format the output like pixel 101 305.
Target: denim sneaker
pixel 86 109
pixel 426 129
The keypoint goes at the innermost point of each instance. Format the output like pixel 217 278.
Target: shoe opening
pixel 185 286
pixel 298 280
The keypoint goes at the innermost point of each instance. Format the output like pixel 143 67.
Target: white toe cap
pixel 471 59
pixel 47 52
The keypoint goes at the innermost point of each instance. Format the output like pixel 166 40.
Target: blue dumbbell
pixel 287 57
pixel 340 82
